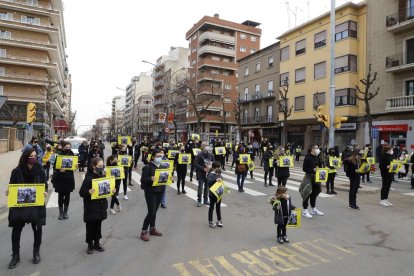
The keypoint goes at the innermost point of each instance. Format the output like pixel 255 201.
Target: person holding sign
pixel 386 175
pixel 213 177
pixel 203 164
pixel 94 211
pixel 28 171
pixel 64 183
pixel 367 153
pixel 282 170
pixel 123 151
pixel 111 162
pixel 282 205
pixel 353 173
pixel 153 195
pixel 241 167
pixel 333 164
pixel 181 169
pixel 252 153
pixel 268 165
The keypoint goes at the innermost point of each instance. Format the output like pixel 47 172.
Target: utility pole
pixel 331 141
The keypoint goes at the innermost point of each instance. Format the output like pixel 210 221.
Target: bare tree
pixel 72 118
pixel 13 113
pixel 367 96
pixel 238 116
pixel 284 107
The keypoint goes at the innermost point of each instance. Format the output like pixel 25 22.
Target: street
pixel 371 241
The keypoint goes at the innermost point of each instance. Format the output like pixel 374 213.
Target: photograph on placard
pixel 172 153
pixel 68 163
pixel 26 195
pixel 124 160
pixel 334 162
pixel 124 140
pixel 102 187
pixel 244 158
pixel 295 218
pixel 321 175
pixel 286 161
pixel 220 150
pixel 184 158
pixel 218 189
pixel 364 168
pixel 116 171
pixel 162 177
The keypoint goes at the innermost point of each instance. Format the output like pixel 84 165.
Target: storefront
pixel 345 135
pixel 395 134
pixel 296 135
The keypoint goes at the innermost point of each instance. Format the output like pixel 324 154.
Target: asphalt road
pixel 372 241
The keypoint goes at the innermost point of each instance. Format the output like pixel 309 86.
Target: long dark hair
pixel 110 159
pixel 94 162
pixel 354 156
pixel 25 155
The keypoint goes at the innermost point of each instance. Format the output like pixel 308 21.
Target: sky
pixel 107 39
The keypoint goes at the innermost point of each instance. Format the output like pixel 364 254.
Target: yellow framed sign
pixel 166 145
pixel 218 189
pixel 184 158
pixel 371 160
pixel 321 175
pixel 172 153
pixel 395 166
pixel 220 150
pixel 68 163
pixel 286 161
pixel 103 187
pixel 364 168
pixel 334 162
pixel 271 161
pixel 115 171
pixel 251 165
pixel 295 219
pixel 195 136
pixel 229 145
pixel 166 165
pixel 144 149
pixel 124 160
pixel 162 177
pixel 124 140
pixel 244 158
pixel 149 157
pixel 26 195
pixel 196 151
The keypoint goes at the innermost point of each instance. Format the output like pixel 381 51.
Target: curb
pixel 364 190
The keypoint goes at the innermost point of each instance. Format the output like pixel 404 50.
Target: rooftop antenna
pixel 288 12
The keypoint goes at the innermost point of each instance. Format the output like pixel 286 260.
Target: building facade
pixel 103 128
pixel 144 109
pixel 258 77
pixel 391 55
pixel 305 67
pixel 117 116
pixel 215 46
pixel 33 64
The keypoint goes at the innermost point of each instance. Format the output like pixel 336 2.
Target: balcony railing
pixel 159 83
pixel 400 62
pixel 259 97
pixel 217 50
pixel 227 39
pixel 400 103
pixel 400 20
pixel 259 120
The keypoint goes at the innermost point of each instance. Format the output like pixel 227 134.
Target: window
pixel 300 103
pixel 270 61
pixel 1 89
pixel 345 63
pixel 252 51
pixel 300 75
pixel 243 36
pixel 269 113
pixel 30 20
pixel 253 38
pixel 246 71
pixel 216 58
pixel 258 67
pixel 409 88
pixel 226 73
pixel 2 71
pixel 319 71
pixel 270 86
pixel 318 99
pixel 257 88
pixel 215 72
pixel 410 49
pixel 256 114
pixel 6 16
pixel 227 100
pixel 320 39
pixel 194 37
pixel 284 53
pixel 284 79
pixel 33 2
pixel 5 34
pixel 346 29
pixel 227 86
pixel 345 97
pixel 283 105
pixel 246 93
pixel 300 47
pixel 226 60
pixel 243 49
pixel 245 116
pixel 2 52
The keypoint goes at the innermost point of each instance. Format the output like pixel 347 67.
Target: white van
pixel 75 142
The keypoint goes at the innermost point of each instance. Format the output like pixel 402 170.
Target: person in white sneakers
pixel 386 175
pixel 310 164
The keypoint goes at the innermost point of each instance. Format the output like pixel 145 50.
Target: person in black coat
pixel 190 145
pixel 153 195
pixel 241 169
pixel 130 150
pixel 83 155
pixel 386 176
pixel 94 211
pixel 330 184
pixel 64 183
pixel 282 205
pixel 113 162
pixel 137 152
pixel 202 164
pixel 353 163
pixel 123 151
pixel 219 157
pixel 214 176
pixel 282 173
pixel 95 152
pixel 251 151
pixel 28 171
pixel 181 172
pixel 268 167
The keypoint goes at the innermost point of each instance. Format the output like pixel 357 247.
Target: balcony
pixel 27 43
pixel 397 104
pixel 158 84
pixel 270 119
pixel 218 64
pixel 158 74
pixel 400 62
pixel 226 39
pixel 36 9
pixel 18 24
pixel 270 95
pixel 400 21
pixel 210 49
pixel 24 79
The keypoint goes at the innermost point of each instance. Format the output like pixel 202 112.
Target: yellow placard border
pixel 157 177
pixel 13 192
pixel 95 186
pixel 121 169
pixel 74 162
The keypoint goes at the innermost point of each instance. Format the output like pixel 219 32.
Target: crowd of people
pixel 208 161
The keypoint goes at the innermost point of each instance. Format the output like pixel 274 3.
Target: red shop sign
pixel 392 128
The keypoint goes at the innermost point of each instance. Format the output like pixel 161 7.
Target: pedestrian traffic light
pixel 322 115
pixel 339 120
pixel 31 113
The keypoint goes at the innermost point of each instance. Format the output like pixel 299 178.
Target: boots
pixel 36 256
pixel 65 212
pixel 90 248
pixel 328 191
pixel 265 184
pixel 154 232
pixel 144 236
pixel 15 259
pixel 333 190
pixel 60 213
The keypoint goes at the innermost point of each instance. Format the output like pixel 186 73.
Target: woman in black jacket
pixel 181 172
pixel 384 165
pixel 282 173
pixel 28 171
pixel 153 195
pixel 64 183
pixel 214 176
pixel 94 211
pixel 268 167
pixel 352 165
pixel 112 161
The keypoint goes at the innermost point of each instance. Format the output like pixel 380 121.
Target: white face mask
pixel 207 148
pixel 391 152
pixel 317 151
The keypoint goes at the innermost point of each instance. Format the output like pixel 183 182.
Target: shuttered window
pixel 319 70
pixel 284 79
pixel 300 103
pixel 320 39
pixel 284 53
pixel 318 99
pixel 300 75
pixel 300 47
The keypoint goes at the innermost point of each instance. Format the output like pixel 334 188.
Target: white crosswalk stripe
pixel 408 194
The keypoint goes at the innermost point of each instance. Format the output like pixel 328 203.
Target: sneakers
pixel 198 203
pixel 125 197
pixel 334 193
pixel 154 232
pixel 98 247
pixel 206 202
pixel 119 207
pixel 144 236
pixel 384 203
pixel 164 206
pixel 184 192
pixel 219 223
pixel 90 249
pixel 306 214
pixel 212 225
pixel 389 203
pixel 315 211
pixel 113 212
pixel 280 240
pixel 285 239
pixel 355 207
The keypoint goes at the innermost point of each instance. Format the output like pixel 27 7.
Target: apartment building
pixel 215 46
pixel 258 77
pixel 305 67
pixel 144 109
pixel 139 86
pixel 33 64
pixel 391 52
pixel 103 128
pixel 166 70
pixel 117 116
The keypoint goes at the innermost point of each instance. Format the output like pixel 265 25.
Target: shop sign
pixel 348 126
pixel 392 128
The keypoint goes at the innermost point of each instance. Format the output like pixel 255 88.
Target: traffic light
pixel 322 115
pixel 31 113
pixel 339 120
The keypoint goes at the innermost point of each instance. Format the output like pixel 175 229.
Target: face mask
pixel 182 150
pixel 207 148
pixel 391 152
pixel 114 163
pixel 99 170
pixel 317 151
pixel 157 161
pixel 31 160
pixel 66 150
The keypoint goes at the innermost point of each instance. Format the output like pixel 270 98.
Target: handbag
pixel 241 168
pixel 305 188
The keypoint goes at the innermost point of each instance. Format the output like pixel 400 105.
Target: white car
pixel 75 142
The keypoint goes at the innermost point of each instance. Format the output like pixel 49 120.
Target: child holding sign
pixel 282 205
pixel 214 176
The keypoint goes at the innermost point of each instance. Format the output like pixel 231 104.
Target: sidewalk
pixel 8 161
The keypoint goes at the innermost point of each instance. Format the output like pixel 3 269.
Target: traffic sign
pixel 375 132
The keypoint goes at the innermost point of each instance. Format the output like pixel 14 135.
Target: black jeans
pixel 330 184
pixel 281 181
pixel 297 158
pixel 202 187
pixel 353 189
pixel 363 176
pixel 17 231
pixel 63 200
pixel 114 198
pixel 136 158
pixel 192 171
pixel 125 181
pixel 251 174
pixel 213 201
pixel 181 179
pixel 82 165
pixel 316 189
pixel 47 170
pixel 386 185
pixel 270 173
pixel 93 231
pixel 281 228
pixel 153 203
